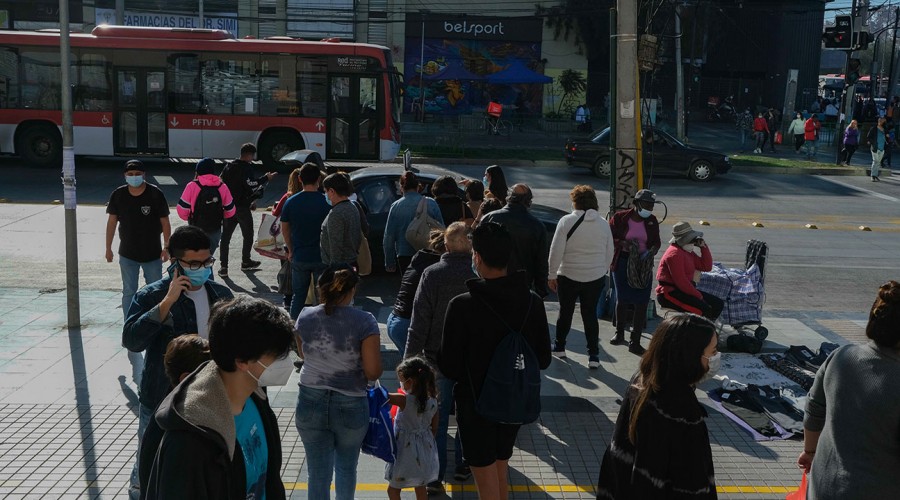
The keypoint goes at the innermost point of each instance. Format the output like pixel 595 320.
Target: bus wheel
pixel 277 144
pixel 41 146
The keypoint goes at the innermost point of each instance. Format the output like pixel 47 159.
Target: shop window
pixel 9 78
pixel 278 86
pixel 230 84
pixel 184 83
pixel 313 76
pixel 93 88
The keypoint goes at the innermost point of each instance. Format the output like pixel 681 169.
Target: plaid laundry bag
pixel 742 290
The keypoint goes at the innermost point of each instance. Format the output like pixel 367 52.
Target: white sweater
pixel 588 253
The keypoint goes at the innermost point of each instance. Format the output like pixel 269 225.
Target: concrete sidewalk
pixel 67 409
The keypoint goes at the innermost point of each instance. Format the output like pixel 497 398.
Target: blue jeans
pixel 301 274
pixel 398 331
pixel 445 405
pixel 332 427
pixel 144 415
pixel 130 270
pixel 810 147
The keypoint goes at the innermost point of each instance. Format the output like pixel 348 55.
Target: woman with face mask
pixel 341 348
pixel 679 272
pixel 633 230
pixel 661 430
pixel 796 131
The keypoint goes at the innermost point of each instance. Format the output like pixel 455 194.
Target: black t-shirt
pixel 139 221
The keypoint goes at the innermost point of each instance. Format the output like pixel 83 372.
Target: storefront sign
pixel 449 26
pixel 219 21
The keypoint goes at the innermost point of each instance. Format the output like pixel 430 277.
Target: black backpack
pixel 511 393
pixel 207 213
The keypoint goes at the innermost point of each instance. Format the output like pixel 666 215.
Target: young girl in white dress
pixel 416 463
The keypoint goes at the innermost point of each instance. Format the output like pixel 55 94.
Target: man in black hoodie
pixel 474 326
pixel 220 438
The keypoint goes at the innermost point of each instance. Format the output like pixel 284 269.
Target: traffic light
pixel 840 35
pixel 852 75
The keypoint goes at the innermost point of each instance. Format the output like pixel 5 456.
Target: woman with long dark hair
pixel 660 446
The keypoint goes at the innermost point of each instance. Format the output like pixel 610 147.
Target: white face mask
pixel 689 247
pixel 275 374
pixel 715 362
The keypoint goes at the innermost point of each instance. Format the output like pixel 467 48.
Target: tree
pixel 572 83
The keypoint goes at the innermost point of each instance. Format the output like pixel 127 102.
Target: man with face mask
pixel 177 304
pixel 141 213
pixel 220 436
pixel 679 272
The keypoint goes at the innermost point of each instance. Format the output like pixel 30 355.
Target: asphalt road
pixel 835 268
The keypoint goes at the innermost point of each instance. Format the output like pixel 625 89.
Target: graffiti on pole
pixel 625 179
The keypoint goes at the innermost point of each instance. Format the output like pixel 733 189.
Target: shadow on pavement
pixel 83 402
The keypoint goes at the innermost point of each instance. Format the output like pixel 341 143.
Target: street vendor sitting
pixel 679 272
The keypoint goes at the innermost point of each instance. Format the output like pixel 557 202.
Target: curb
pixel 757 169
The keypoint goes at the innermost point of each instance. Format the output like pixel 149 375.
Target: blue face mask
pixel 327 200
pixel 475 269
pixel 198 276
pixel 134 180
pixel 485 181
pixel 644 213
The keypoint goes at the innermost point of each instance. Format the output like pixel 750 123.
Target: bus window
pixel 9 78
pixel 278 86
pixel 230 84
pixel 93 88
pixel 184 83
pixel 312 73
pixel 41 85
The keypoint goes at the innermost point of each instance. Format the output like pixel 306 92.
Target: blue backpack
pixel 511 392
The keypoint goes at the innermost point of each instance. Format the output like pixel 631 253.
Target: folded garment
pixel 789 369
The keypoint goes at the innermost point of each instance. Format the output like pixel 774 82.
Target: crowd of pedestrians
pixel 470 302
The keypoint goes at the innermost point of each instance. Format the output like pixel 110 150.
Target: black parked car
pixel 666 154
pixel 378 187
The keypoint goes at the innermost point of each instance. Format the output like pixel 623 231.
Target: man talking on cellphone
pixel 177 304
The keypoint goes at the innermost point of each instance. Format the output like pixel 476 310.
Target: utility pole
pixel 679 78
pixel 625 162
pixel 201 14
pixel 73 302
pixel 120 12
pixel 611 113
pixel 849 90
pixel 893 52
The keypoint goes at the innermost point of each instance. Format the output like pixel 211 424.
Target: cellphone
pixel 175 267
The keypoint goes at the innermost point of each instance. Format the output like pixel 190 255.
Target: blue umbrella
pixel 517 72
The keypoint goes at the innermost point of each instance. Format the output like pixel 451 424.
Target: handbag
pixel 380 441
pixel 800 494
pixel 269 240
pixel 640 269
pixel 364 259
pixel 778 138
pixel 284 278
pixel 419 229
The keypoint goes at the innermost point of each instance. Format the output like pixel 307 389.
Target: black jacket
pixel 472 331
pixel 244 187
pixel 190 450
pixel 144 330
pixel 403 305
pixel 530 246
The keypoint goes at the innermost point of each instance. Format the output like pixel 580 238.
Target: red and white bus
pixel 189 93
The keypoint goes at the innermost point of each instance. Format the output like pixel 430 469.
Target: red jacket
pixel 760 125
pixel 811 129
pixel 676 270
pixel 618 224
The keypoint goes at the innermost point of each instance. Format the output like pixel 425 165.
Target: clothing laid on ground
pixel 789 369
pixel 139 221
pixel 341 234
pixel 530 246
pixel 305 212
pixel 671 458
pixel 416 463
pixel 852 404
pixel 760 409
pixel 331 348
pixel 472 331
pixel 193 449
pixel 401 214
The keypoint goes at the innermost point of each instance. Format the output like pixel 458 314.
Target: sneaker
pixel 250 265
pixel 619 339
pixel 875 178
pixel 635 348
pixel 462 472
pixel 223 272
pixel 435 488
pixel 559 350
pixel 593 362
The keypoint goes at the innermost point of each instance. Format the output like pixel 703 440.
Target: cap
pixel 645 195
pixel 206 166
pixel 135 165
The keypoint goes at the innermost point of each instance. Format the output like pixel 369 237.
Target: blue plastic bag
pixel 380 441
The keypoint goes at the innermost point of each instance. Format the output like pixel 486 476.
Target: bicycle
pixel 495 125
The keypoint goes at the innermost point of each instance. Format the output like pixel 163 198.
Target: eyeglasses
pixel 196 265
